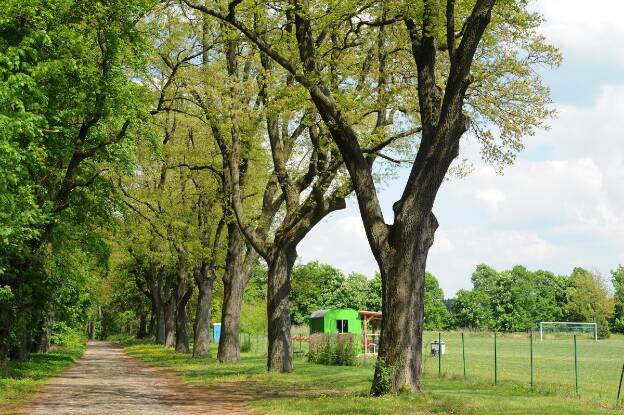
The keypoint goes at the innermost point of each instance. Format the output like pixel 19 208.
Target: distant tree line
pixel 511 300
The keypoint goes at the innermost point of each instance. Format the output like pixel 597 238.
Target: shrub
pixel 65 336
pixel 603 328
pixel 333 349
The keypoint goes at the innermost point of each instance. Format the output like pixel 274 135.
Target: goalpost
pixel 567 327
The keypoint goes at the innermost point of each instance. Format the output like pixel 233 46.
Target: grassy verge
pixel 317 389
pixel 18 380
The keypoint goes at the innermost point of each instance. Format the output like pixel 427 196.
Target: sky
pixel 560 205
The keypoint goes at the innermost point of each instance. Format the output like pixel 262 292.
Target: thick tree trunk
pixel 161 332
pixel 45 335
pixel 205 282
pixel 403 270
pixel 90 330
pixel 21 351
pixel 234 282
pixel 183 292
pixel 158 312
pixel 229 342
pixel 278 308
pixel 142 331
pixel 169 314
pixel 151 326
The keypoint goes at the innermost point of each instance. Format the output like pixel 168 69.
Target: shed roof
pixel 369 314
pixel 318 313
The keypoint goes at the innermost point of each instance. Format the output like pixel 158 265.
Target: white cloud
pixel 340 240
pixel 587 29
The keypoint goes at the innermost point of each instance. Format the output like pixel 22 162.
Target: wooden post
pixel 365 338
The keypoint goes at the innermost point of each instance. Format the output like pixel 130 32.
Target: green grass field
pixel 599 363
pixel 19 379
pixel 317 389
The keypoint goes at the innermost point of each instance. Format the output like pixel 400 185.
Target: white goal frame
pixel 541 325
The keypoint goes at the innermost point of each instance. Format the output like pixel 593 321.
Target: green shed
pixel 336 320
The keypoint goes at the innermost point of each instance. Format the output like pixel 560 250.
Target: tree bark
pixel 158 309
pixel 278 308
pixel 205 283
pixel 403 272
pixel 21 351
pixel 142 331
pixel 233 291
pixel 183 292
pixel 169 314
pixel 235 281
pixel 45 339
pixel 161 332
pixel 90 330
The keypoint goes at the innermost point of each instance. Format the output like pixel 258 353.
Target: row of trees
pixel 320 286
pixel 518 299
pixel 70 116
pixel 514 300
pixel 201 138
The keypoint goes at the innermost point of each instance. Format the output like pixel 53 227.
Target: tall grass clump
pixel 333 349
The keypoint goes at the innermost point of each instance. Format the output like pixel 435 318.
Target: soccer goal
pixel 568 327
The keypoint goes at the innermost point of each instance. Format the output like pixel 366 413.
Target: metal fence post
pixel 463 354
pixel 576 372
pixel 495 362
pixel 531 353
pixel 439 354
pixel 617 400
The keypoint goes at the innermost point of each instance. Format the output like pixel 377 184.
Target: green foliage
pixel 589 300
pixel 514 300
pixel 66 336
pixel 373 293
pixel 313 287
pixel 254 317
pixel 70 113
pixel 352 293
pixel 617 280
pixel 437 316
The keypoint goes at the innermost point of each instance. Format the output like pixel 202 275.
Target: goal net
pixel 567 327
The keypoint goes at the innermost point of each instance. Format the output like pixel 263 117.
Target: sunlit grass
pixel 317 389
pixel 19 379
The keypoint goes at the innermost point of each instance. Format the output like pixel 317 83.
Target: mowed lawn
pixel 317 389
pixel 599 363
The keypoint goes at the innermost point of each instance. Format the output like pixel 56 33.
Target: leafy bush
pixel 65 336
pixel 333 349
pixel 603 328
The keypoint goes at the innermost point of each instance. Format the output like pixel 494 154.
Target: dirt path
pixel 107 381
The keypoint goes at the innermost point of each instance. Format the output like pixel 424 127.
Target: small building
pixel 335 320
pixel 338 321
